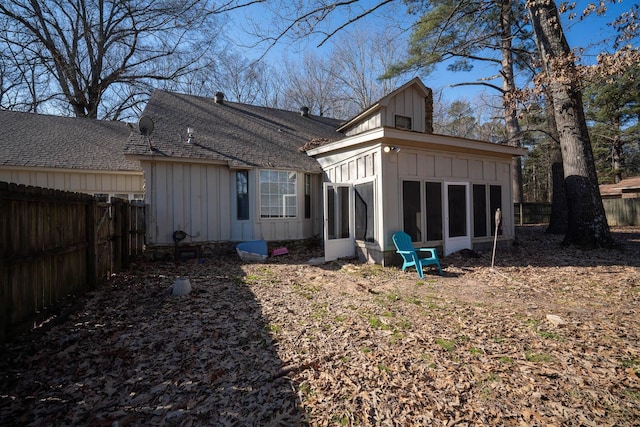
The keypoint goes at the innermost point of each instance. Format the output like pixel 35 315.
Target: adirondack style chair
pixel 415 257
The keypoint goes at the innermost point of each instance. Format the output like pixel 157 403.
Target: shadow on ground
pixel 132 354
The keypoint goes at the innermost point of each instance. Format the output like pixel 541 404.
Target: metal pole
pixel 498 221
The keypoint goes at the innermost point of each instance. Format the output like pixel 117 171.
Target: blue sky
pixel 591 33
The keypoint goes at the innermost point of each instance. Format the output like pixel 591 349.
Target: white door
pixel 457 230
pixel 338 221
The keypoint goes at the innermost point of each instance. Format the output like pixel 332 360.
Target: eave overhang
pixel 419 140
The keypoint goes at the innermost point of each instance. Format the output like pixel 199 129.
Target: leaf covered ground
pixel 550 336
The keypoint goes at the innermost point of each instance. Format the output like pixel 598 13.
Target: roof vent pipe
pixel 304 111
pixel 219 98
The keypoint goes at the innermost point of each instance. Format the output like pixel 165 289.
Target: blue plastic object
pixel 415 257
pixel 255 250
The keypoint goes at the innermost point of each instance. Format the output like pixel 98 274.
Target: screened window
pixel 242 194
pixel 457 198
pixel 479 210
pixel 433 192
pixel 307 196
pixel 278 194
pixel 495 202
pixel 403 122
pixel 411 211
pixel 364 211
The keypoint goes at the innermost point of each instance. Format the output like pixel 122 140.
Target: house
pixel 222 171
pixel 391 173
pixel 628 188
pixel 71 154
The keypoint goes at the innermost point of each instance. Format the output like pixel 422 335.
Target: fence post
pixel 116 248
pixel 92 248
pixel 5 283
pixel 124 232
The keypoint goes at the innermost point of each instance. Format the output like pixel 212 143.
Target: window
pixel 484 209
pixel 242 195
pixel 413 216
pixel 457 199
pixel 411 211
pixel 433 191
pixel 403 122
pixel 307 195
pixel 364 212
pixel 495 202
pixel 278 194
pixel 338 209
pixel 479 210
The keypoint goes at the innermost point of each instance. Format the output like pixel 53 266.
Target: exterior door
pixel 338 221
pixel 457 230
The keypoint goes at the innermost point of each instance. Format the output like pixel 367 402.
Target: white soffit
pixel 416 140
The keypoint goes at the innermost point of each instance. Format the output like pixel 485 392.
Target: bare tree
pixel 297 20
pixel 362 56
pixel 310 84
pixel 91 48
pixel 239 78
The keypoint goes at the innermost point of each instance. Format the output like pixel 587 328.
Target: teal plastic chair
pixel 410 254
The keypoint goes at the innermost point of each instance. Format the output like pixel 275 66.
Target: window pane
pixel 457 210
pixel 278 194
pixel 479 210
pixel 433 192
pixel 242 194
pixel 343 197
pixel 495 202
pixel 307 196
pixel 411 210
pixel 364 212
pixel 331 206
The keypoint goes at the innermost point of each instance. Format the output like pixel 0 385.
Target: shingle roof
pixel 627 185
pixel 28 139
pixel 240 135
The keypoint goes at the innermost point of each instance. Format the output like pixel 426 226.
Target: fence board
pixel 54 245
pixel 621 212
pixel 531 213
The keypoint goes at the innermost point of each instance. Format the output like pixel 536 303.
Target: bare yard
pixel 288 343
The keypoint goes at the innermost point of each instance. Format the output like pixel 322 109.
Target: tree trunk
pixel 617 163
pixel 559 213
pixel 514 136
pixel 587 222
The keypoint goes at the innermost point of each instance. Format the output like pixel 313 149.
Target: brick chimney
pixel 428 112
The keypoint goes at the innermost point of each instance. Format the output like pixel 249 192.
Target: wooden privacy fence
pixel 620 212
pixel 531 213
pixel 56 244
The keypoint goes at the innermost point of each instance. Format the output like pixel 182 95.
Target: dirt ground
pixel 550 336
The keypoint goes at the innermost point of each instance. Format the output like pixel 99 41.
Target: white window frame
pixel 284 179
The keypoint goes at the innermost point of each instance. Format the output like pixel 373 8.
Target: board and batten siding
pixel 200 199
pixel 89 182
pixel 445 167
pixel 409 103
pixel 355 167
pixel 373 121
pixel 190 197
